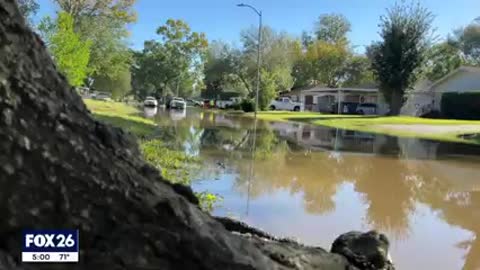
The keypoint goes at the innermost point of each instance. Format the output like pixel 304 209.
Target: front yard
pixel 404 126
pixel 174 165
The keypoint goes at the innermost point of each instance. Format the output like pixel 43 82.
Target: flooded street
pixel 315 183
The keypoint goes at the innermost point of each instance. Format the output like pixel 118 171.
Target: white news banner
pixel 46 257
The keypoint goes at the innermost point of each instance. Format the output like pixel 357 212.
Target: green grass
pixel 110 108
pixel 174 165
pixel 376 124
pixel 121 115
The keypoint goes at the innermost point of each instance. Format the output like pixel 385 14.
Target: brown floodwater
pixel 315 183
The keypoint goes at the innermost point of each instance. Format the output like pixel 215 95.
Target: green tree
pixel 221 69
pixel 28 8
pixel 332 28
pixel 70 53
pixel 467 39
pixel 357 71
pixel 178 56
pixel 279 53
pixel 113 9
pixel 324 62
pixel 441 59
pixel 268 89
pixel 405 31
pixel 109 54
pixel 307 39
pixel 119 86
pixel 104 23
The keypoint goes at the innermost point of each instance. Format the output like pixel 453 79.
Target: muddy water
pixel 314 183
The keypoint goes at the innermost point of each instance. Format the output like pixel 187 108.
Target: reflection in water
pixel 178 114
pixel 251 175
pixel 317 182
pixel 150 112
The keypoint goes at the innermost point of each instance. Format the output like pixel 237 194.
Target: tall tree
pixel 441 59
pixel 119 86
pixel 323 63
pixel 405 31
pixel 357 71
pixel 332 28
pixel 69 52
pixel 467 39
pixel 221 69
pixel 163 65
pixel 307 39
pixel 28 8
pixel 113 9
pixel 279 52
pixel 103 22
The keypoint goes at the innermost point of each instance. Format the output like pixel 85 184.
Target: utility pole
pixel 259 47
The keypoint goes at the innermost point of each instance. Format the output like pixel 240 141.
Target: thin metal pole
pixel 258 60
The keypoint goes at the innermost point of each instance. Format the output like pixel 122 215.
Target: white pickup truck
pixel 224 104
pixel 285 104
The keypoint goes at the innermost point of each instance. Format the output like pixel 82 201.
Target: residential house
pixel 427 96
pixel 323 99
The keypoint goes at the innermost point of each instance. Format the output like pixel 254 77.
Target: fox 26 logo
pixel 50 241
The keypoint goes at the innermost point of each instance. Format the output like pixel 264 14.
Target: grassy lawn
pixel 175 165
pixel 121 115
pixel 405 126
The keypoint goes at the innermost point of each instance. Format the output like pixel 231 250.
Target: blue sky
pixel 222 20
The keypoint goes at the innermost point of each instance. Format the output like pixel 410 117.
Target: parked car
pixel 225 104
pixel 150 102
pixel 178 103
pixel 194 103
pixel 285 104
pixel 345 108
pixel 367 108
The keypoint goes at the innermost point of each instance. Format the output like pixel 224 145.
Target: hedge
pixel 461 105
pixel 247 105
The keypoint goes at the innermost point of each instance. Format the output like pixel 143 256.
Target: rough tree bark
pixel 396 101
pixel 59 168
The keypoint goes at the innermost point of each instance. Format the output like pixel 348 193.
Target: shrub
pixel 461 105
pixel 236 106
pixel 247 105
pixel 432 114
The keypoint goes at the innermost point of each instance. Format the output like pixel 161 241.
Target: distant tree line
pixel 89 42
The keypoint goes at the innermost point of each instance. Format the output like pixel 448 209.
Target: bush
pixel 432 114
pixel 461 105
pixel 236 106
pixel 247 105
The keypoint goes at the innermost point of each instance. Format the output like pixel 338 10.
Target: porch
pixel 326 99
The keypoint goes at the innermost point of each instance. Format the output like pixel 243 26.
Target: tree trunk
pixel 59 168
pixel 396 102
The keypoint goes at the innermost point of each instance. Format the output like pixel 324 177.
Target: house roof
pixel 365 87
pixel 451 74
pixel 344 89
pixel 291 92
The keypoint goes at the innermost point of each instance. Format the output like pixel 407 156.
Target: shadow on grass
pixel 129 123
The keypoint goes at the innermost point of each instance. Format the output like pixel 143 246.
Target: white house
pixel 427 96
pixel 322 99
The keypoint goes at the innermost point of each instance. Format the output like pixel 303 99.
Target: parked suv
pixel 285 104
